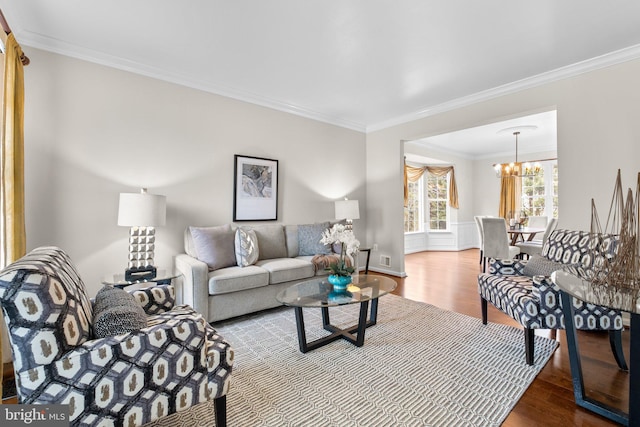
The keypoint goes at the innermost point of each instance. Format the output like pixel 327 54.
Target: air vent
pixel 385 260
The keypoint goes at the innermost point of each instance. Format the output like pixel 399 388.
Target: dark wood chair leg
pixel 528 343
pixel 483 307
pixel 615 339
pixel 220 408
pixel 481 257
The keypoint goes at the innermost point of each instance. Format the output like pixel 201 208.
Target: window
pixel 540 193
pixel 438 201
pixel 412 212
pixel 432 203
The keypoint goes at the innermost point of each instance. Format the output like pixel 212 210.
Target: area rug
pixel 419 366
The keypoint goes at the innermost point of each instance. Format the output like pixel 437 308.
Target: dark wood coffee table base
pixel 337 333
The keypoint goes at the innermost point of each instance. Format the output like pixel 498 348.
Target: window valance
pixel 413 173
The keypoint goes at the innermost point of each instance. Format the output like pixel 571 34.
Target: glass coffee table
pixel 319 293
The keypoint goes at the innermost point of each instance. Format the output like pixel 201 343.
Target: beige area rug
pixel 419 366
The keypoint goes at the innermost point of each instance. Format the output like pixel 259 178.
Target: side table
pixel 163 277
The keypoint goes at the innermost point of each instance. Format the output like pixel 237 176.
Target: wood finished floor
pixel 449 280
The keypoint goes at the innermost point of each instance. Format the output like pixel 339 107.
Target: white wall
pixel 92 132
pixel 598 133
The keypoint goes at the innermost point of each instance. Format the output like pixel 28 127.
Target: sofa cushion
pixel 116 312
pixel 540 266
pixel 232 279
pixel 246 244
pixel 286 269
pixel 291 237
pixel 309 236
pixel 215 245
pixel 271 241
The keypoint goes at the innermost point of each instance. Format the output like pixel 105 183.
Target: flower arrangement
pixel 348 243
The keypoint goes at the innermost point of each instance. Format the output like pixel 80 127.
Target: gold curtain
pixel 510 193
pixel 412 174
pixel 13 237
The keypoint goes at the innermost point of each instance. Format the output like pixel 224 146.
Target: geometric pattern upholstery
pixel 535 302
pixel 178 360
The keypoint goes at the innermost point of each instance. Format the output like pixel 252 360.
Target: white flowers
pixel 348 245
pixel 339 234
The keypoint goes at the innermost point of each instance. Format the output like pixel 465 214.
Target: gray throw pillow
pixel 116 312
pixel 271 241
pixel 540 266
pixel 309 236
pixel 215 245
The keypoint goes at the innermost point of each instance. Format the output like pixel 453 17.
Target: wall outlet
pixel 375 247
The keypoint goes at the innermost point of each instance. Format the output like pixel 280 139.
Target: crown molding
pixel 37 41
pixel 602 61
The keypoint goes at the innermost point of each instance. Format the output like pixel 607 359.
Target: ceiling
pixel 360 64
pixel 538 133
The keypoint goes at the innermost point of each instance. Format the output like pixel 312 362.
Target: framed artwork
pixel 255 189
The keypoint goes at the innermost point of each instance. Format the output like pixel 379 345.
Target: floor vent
pixel 385 260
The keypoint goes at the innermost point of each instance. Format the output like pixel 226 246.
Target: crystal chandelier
pixel 517 168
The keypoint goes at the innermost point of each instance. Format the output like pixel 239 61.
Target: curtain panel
pixel 12 224
pixel 412 174
pixel 510 194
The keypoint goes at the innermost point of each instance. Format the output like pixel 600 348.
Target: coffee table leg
pixel 302 337
pixel 374 312
pixel 362 323
pixel 325 317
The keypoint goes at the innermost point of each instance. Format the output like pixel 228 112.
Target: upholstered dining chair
pixel 125 359
pixel 496 240
pixel 534 246
pixel 478 219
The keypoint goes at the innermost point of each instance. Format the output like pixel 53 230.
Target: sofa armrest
pixel 195 283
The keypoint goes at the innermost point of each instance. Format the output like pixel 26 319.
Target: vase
pixel 339 283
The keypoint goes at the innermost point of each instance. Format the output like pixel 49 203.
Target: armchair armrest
pixel 506 267
pixel 195 283
pixel 138 371
pixel 156 299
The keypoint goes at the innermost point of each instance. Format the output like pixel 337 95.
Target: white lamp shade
pixel 347 209
pixel 142 210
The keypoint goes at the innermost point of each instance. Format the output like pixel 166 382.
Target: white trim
pixel 602 61
pixel 28 38
pixel 62 48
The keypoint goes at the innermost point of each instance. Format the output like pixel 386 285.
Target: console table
pixel 571 285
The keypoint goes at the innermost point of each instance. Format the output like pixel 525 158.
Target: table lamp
pixel 349 210
pixel 142 212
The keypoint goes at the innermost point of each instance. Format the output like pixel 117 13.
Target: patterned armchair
pixel 174 362
pixel 524 290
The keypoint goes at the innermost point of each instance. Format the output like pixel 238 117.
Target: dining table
pixel 519 233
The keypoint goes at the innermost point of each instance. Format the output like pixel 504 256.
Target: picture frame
pixel 255 194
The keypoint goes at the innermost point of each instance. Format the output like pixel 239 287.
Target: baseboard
pixel 389 272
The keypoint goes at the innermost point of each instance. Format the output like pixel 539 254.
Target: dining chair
pixel 534 246
pixel 478 219
pixel 496 242
pixel 538 222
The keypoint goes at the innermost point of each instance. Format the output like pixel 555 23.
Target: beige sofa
pixel 220 289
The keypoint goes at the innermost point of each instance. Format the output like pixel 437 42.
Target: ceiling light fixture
pixel 517 168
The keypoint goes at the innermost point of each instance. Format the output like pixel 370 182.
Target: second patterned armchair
pixel 525 291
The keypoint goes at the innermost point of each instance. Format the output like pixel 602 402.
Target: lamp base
pixel 138 274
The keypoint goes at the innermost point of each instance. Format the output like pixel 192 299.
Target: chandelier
pixel 523 170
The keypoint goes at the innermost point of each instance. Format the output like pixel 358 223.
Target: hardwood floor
pixel 449 280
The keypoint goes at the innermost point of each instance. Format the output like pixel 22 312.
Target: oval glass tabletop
pixel 319 292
